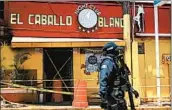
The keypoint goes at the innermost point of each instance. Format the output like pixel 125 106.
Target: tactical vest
pixel 117 77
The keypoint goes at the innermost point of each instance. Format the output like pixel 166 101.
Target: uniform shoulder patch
pixel 104 66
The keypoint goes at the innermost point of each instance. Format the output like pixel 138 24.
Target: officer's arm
pixel 105 70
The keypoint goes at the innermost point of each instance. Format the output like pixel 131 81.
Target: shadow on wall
pixel 14 66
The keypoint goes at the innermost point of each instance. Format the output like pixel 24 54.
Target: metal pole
pixel 157 54
pixel 171 60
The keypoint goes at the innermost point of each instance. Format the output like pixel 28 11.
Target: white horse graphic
pixel 137 17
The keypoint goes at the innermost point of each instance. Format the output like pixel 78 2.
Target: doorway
pixel 58 66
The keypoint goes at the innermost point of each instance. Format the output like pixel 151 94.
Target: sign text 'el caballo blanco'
pixel 89 17
pixel 61 21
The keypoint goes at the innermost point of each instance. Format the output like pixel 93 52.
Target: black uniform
pixel 113 83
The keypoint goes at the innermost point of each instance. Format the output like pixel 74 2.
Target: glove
pixel 136 93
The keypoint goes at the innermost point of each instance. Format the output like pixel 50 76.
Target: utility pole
pixel 127 39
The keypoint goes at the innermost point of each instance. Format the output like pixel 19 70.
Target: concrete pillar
pixel 135 70
pixel 76 65
pixel 127 39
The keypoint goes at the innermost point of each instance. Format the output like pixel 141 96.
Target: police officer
pixel 112 85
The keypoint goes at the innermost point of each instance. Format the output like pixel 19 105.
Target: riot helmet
pixel 110 49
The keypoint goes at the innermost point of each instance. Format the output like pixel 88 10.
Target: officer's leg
pixel 118 104
pixel 118 98
pixel 122 104
pixel 112 104
pixel 108 108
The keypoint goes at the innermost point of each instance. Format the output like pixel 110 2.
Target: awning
pixel 31 42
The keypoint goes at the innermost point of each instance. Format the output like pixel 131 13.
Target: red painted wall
pixel 26 30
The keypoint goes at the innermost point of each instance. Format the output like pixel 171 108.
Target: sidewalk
pixel 67 106
pixel 42 107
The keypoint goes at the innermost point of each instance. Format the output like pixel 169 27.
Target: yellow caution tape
pixel 36 89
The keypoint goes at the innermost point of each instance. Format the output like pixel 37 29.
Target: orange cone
pixel 80 94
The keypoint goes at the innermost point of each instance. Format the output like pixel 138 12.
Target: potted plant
pixel 19 73
pixel 16 76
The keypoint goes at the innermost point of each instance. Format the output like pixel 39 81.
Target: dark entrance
pixel 58 66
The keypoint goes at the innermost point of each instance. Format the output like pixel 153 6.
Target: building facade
pixel 144 42
pixel 59 36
